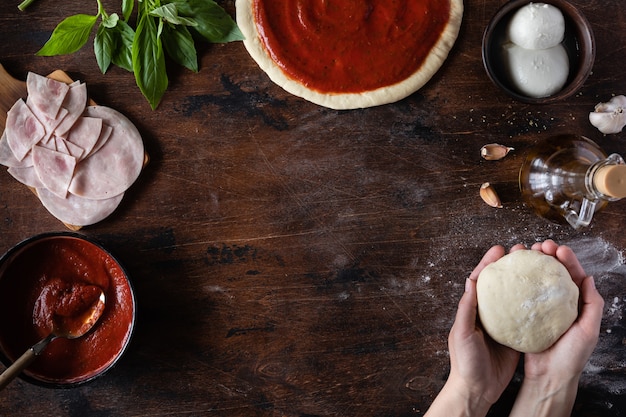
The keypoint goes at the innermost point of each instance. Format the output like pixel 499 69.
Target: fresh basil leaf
pixel 179 45
pixel 149 61
pixel 169 13
pixel 114 45
pixel 69 36
pixel 110 21
pixel 104 46
pixel 123 56
pixel 127 8
pixel 214 24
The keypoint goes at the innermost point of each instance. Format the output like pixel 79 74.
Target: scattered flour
pixel 598 257
pixel 607 265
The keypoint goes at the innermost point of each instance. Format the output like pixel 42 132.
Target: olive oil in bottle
pixel 568 178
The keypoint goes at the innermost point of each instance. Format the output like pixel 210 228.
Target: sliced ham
pixel 116 165
pixel 75 102
pixel 104 136
pixel 60 146
pixel 49 123
pixel 7 157
pixel 23 130
pixel 27 176
pixel 70 148
pixel 46 94
pixel 85 133
pixel 55 169
pixel 76 210
pixel 80 160
pixel 49 143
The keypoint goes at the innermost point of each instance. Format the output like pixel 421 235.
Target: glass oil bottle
pixel 568 178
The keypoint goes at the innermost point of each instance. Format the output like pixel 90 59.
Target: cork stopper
pixel 610 180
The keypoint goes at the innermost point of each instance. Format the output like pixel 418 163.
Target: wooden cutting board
pixel 12 89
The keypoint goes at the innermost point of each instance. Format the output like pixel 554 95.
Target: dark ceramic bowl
pixel 26 270
pixel 579 43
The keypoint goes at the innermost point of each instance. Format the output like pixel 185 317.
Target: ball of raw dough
pixel 537 72
pixel 526 300
pixel 537 26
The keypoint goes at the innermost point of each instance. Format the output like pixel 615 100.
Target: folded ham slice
pixel 23 130
pixel 7 157
pixel 116 165
pixel 46 95
pixel 85 133
pixel 75 103
pixel 69 148
pixel 105 134
pixel 54 169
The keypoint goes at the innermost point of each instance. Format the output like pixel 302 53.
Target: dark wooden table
pixel 291 260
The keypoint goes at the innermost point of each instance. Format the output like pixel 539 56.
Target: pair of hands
pixel 481 369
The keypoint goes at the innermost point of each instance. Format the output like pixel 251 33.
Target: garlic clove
pixel 494 151
pixel 489 195
pixel 609 117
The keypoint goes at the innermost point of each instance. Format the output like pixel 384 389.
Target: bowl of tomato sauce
pixel 67 260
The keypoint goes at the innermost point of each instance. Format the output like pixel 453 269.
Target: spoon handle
pixel 22 362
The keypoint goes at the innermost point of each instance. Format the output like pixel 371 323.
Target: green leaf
pixel 149 61
pixel 123 56
pixel 110 21
pixel 169 13
pixel 114 45
pixel 179 45
pixel 106 41
pixel 127 8
pixel 214 24
pixel 104 46
pixel 69 36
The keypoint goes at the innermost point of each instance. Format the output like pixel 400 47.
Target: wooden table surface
pixel 292 260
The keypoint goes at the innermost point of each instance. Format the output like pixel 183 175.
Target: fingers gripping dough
pixel 526 300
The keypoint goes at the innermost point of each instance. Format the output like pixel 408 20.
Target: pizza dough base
pixel 526 300
pixel 341 101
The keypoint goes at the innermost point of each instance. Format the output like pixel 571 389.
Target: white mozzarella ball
pixel 537 26
pixel 537 73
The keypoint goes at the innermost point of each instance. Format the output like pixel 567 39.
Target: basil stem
pixel 23 5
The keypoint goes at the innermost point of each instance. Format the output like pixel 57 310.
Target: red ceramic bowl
pixel 579 43
pixel 25 270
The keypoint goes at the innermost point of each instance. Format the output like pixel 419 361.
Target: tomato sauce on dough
pixel 350 46
pixel 63 277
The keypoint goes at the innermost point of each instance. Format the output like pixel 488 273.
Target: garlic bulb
pixel 610 117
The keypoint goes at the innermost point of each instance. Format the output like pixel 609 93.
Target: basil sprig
pixel 163 27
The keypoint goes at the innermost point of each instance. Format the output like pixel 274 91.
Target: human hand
pixel 551 377
pixel 567 357
pixel 479 364
pixel 480 368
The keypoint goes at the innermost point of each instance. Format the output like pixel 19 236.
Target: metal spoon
pixel 60 328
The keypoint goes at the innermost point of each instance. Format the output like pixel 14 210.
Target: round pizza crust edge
pixel 346 101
